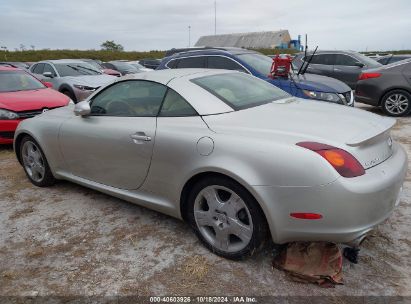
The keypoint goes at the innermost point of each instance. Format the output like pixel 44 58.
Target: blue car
pixel 307 86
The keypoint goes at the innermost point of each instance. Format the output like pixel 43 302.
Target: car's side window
pixel 131 98
pixel 342 59
pixel 218 62
pixel 172 64
pixel 191 62
pixel 38 69
pixel 49 68
pixel 324 59
pixel 175 105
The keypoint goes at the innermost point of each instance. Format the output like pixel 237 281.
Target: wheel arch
pixel 66 87
pixel 17 143
pixel 390 89
pixel 201 175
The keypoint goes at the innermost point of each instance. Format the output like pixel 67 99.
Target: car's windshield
pixel 76 69
pixel 260 63
pixel 239 90
pixel 11 81
pixel 95 64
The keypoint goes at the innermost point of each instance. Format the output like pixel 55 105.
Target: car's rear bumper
pixel 368 92
pixel 350 207
pixel 7 129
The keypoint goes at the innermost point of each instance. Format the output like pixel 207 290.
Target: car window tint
pixel 175 105
pixel 218 62
pixel 172 64
pixel 49 68
pixel 325 59
pixel 129 98
pixel 384 60
pixel 342 59
pixel 39 68
pixel 192 62
pixel 239 90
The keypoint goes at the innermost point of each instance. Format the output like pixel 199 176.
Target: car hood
pixel 320 83
pixel 91 80
pixel 294 120
pixel 32 100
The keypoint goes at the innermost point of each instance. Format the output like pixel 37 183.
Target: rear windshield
pixel 11 81
pixel 239 90
pixel 369 62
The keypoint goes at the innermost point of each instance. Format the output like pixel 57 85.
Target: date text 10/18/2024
pixel 203 299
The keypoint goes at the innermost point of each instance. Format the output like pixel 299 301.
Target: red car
pixel 23 96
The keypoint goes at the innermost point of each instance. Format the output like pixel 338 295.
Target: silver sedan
pixel 234 156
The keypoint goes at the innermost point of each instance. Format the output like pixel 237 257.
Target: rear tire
pixel 35 164
pixel 226 218
pixel 396 103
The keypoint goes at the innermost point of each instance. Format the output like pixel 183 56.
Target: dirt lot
pixel 68 240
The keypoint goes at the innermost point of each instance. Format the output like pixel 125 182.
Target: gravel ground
pixel 69 240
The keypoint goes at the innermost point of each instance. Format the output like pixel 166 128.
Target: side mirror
pixel 359 64
pixel 48 74
pixel 82 108
pixel 47 84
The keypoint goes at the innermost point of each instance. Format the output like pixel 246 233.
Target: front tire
pixel 396 103
pixel 35 164
pixel 226 218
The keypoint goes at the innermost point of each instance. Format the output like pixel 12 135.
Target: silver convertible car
pixel 234 156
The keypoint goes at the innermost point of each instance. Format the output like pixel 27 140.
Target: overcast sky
pixel 155 24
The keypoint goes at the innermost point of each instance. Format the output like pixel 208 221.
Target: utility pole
pixel 215 17
pixel 189 36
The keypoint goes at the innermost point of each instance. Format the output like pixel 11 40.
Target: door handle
pixel 139 137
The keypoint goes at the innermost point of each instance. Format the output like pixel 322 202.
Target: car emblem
pixel 389 141
pixel 45 110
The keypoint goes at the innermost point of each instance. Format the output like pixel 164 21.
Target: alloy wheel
pixel 223 218
pixel 33 161
pixel 397 104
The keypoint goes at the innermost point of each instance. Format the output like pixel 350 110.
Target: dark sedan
pixel 388 87
pixel 342 65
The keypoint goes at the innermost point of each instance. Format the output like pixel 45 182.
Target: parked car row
pixel 216 137
pixel 387 86
pixel 236 157
pixel 308 86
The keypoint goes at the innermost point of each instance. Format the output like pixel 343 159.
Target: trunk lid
pixel 365 135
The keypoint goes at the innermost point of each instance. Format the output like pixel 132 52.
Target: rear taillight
pixel 342 161
pixel 364 76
